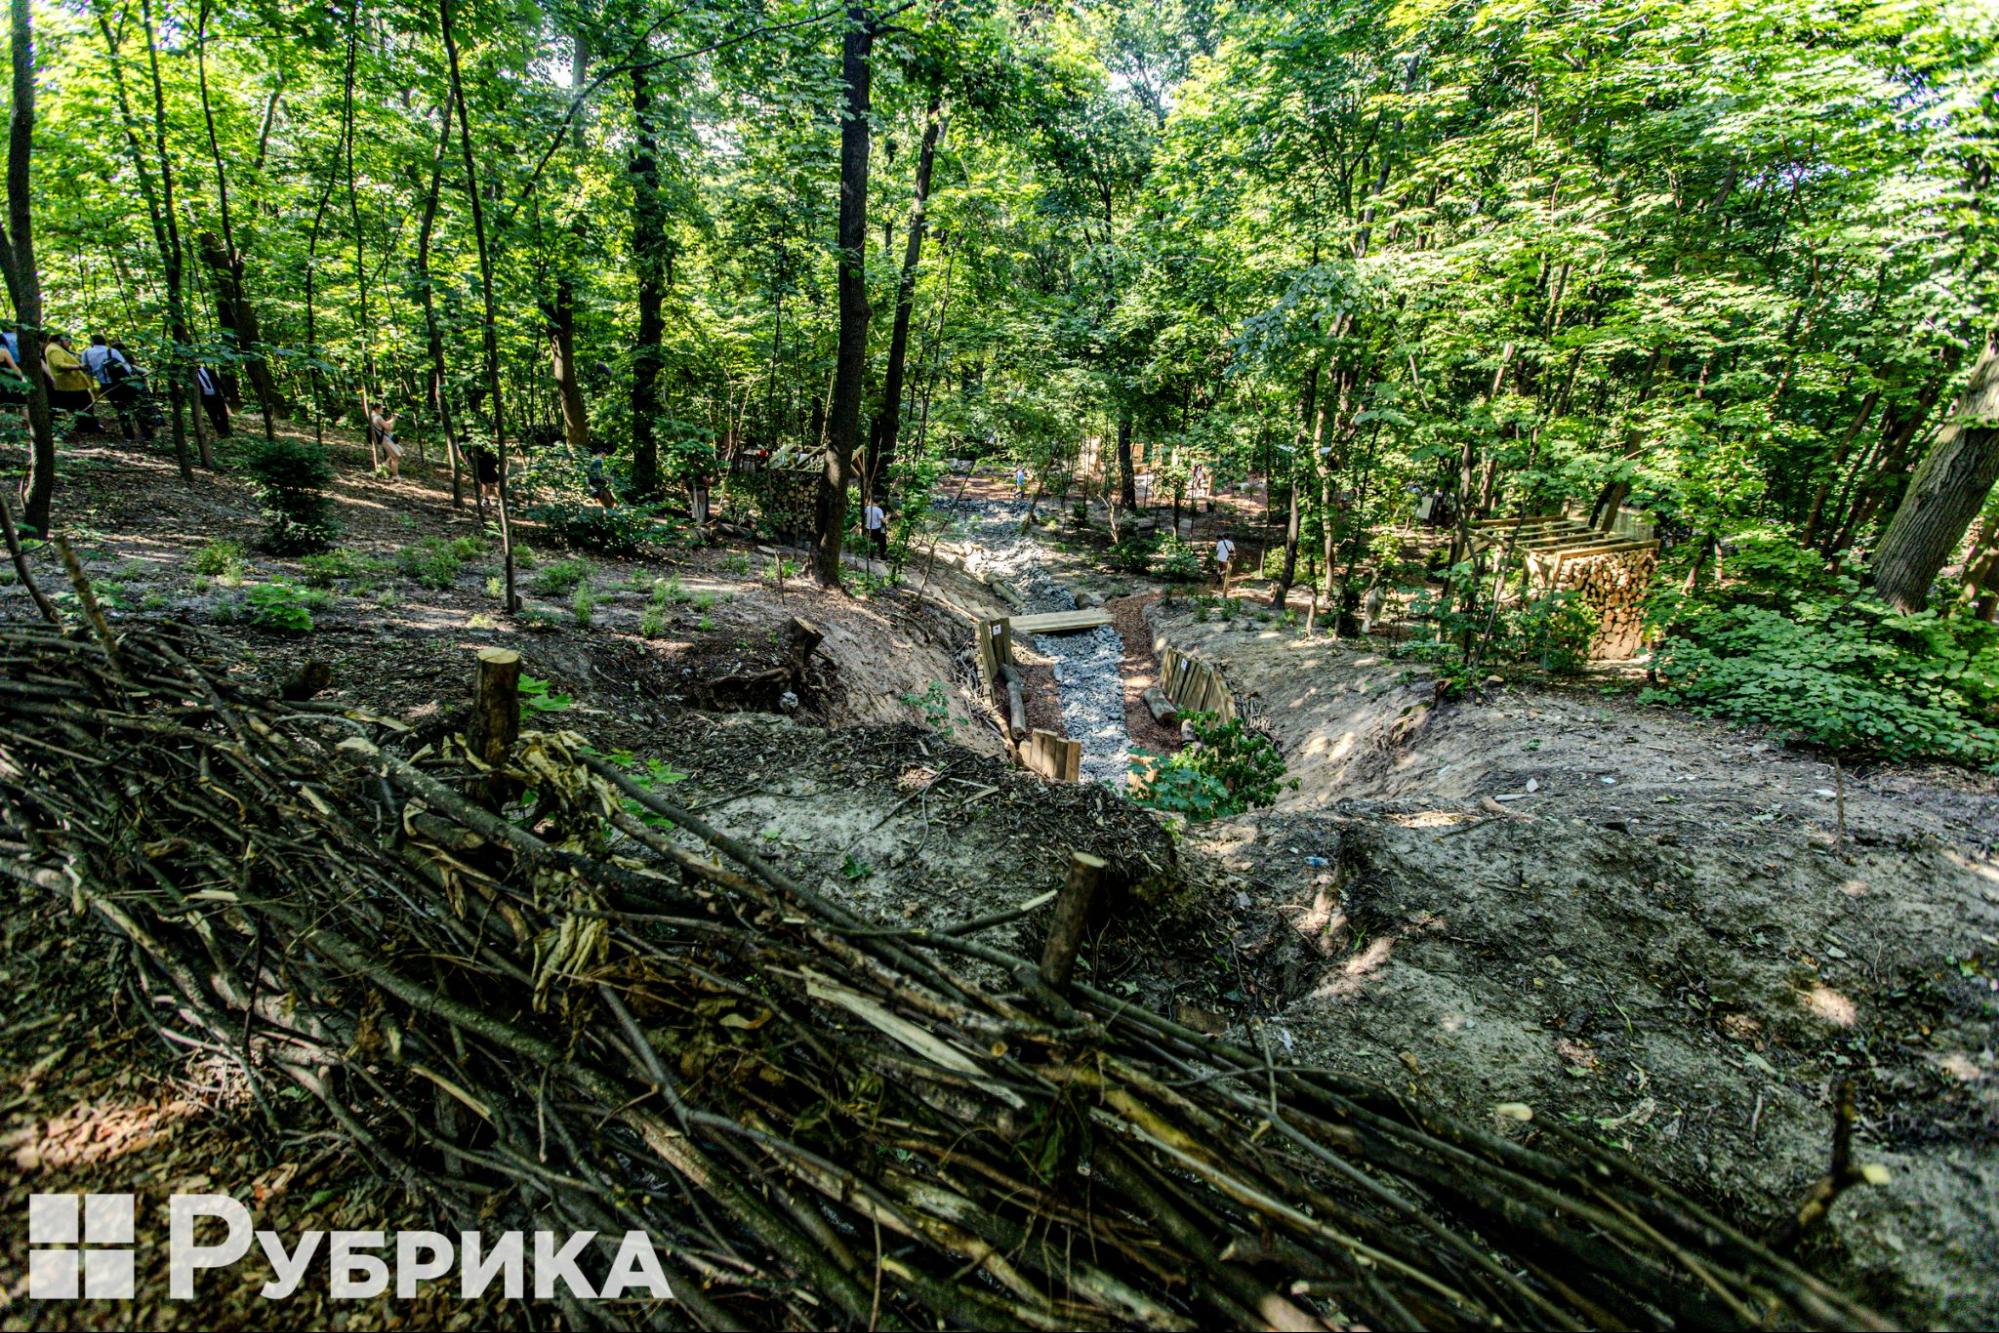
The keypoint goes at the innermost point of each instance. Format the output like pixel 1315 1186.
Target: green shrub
pixel 1228 770
pixel 1133 553
pixel 559 578
pixel 1554 632
pixel 652 622
pixel 324 569
pixel 1851 674
pixel 625 531
pixel 280 606
pixel 583 606
pixel 293 477
pixel 1176 561
pixel 219 559
pixel 434 563
pixel 1180 789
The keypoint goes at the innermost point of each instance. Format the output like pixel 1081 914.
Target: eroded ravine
pixel 1089 682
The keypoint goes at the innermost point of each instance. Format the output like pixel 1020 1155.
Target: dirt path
pixel 1642 923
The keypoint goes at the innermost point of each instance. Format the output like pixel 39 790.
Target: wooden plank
pixel 1059 622
pixel 1610 545
pixel 1072 763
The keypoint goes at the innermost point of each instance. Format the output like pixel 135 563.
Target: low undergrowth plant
pixel 219 559
pixel 1227 770
pixel 560 578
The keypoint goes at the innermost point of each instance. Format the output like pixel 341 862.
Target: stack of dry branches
pixel 589 1009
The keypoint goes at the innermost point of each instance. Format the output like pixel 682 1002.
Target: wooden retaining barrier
pixel 1053 756
pixel 1193 686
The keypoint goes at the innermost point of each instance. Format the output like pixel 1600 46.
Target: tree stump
pixel 1072 914
pixel 496 718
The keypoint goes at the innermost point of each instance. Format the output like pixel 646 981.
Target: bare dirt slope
pixel 1640 922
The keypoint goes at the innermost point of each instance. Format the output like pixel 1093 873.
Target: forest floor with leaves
pixel 1657 928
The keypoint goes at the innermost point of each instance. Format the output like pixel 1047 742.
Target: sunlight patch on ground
pixel 1432 819
pixel 1322 744
pixel 1353 974
pixel 1830 1005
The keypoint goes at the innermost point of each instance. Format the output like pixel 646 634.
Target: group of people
pixel 104 371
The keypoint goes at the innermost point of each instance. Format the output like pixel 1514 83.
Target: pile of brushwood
pixel 540 995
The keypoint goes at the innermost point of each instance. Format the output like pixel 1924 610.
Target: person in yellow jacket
pixel 71 387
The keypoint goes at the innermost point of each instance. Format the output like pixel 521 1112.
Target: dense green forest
pixel 1728 265
pixel 1175 664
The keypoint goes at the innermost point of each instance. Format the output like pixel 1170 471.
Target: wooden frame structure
pixel 1054 757
pixel 1193 686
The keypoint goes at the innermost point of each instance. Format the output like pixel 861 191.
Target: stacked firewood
pixel 1614 586
pixel 538 993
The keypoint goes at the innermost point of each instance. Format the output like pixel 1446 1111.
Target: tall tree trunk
pixel 888 423
pixel 1946 493
pixel 851 362
pixel 440 399
pixel 312 359
pixel 649 254
pixel 360 247
pixel 24 280
pixel 562 358
pixel 1308 401
pixel 492 347
pixel 1127 474
pixel 166 237
pixel 233 311
pixel 1900 424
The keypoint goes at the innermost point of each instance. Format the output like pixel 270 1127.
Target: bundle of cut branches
pixel 536 989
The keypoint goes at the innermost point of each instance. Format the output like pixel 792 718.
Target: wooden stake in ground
pixel 496 715
pixel 1072 912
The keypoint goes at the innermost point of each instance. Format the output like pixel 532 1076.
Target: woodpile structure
pixel 1611 572
pixel 599 1012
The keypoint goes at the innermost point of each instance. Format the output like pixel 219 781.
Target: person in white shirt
pixel 876 523
pixel 1224 557
pixel 99 357
pixel 1020 483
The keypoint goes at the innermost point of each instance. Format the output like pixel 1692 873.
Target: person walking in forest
pixel 876 522
pixel 382 433
pixel 128 395
pixel 108 365
pixel 13 380
pixel 97 359
pixel 1020 482
pixel 595 479
pixel 70 385
pixel 212 400
pixel 1224 558
pixel 486 471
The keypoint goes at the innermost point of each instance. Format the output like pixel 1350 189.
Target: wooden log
pixel 1161 707
pixel 1016 702
pixel 496 718
pixel 1072 916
